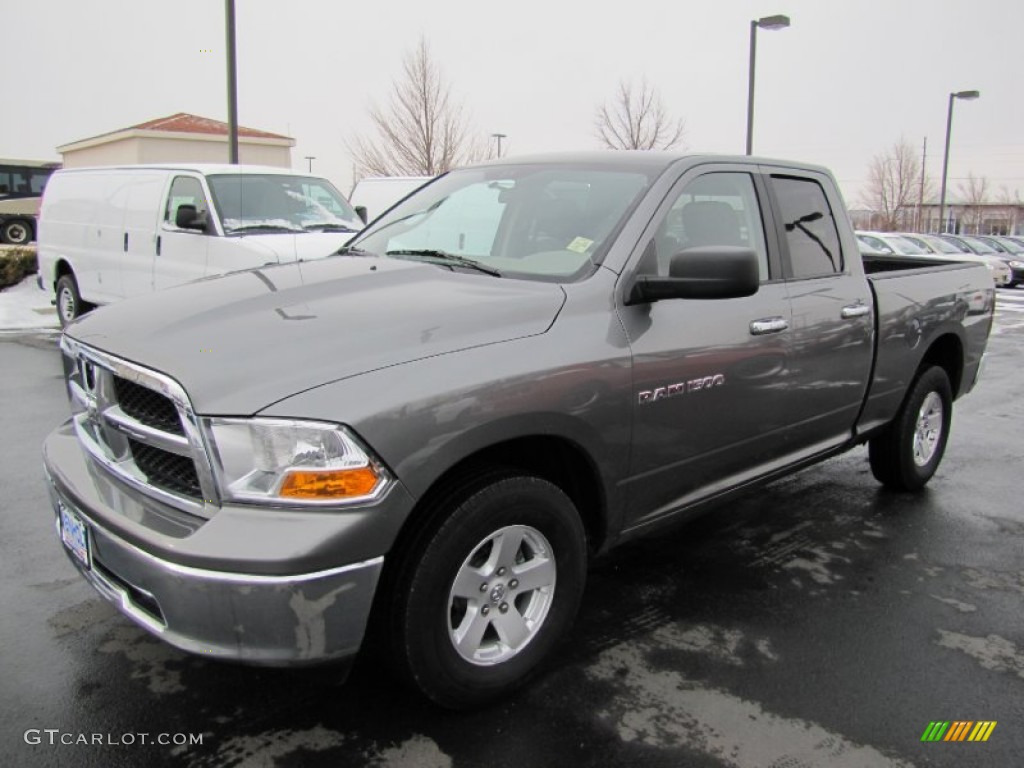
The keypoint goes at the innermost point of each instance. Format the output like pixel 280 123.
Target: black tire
pixel 16 232
pixel 905 456
pixel 483 521
pixel 69 302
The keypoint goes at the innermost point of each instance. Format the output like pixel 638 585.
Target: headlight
pixel 990 266
pixel 1017 264
pixel 291 462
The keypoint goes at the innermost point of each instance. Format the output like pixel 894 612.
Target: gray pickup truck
pixel 425 438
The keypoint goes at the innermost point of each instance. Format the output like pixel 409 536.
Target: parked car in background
pixel 1012 252
pixel 109 233
pixel 916 246
pixel 373 196
pixel 978 246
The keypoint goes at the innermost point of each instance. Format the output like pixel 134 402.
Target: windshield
pixel 276 201
pixel 942 246
pixel 905 246
pixel 979 246
pixel 545 222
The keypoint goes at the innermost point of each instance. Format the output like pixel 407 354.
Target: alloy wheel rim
pixel 501 595
pixel 928 431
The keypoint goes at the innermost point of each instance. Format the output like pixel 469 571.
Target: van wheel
pixel 69 302
pixel 16 232
pixel 492 587
pixel 905 456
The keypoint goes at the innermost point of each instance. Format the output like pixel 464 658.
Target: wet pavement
pixel 820 621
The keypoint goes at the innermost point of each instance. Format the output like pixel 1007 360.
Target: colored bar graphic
pixel 935 730
pixel 958 730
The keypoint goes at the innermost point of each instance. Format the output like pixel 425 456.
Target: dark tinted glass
pixel 810 229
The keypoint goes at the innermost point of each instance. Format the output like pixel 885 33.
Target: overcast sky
pixel 842 84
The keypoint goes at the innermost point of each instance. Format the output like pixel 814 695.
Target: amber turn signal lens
pixel 329 483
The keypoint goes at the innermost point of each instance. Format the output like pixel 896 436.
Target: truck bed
pixel 917 302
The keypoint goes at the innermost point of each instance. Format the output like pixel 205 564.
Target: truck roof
pixel 646 159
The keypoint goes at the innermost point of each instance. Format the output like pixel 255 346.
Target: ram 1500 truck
pixel 425 438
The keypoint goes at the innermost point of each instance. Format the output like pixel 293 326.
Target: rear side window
pixel 810 229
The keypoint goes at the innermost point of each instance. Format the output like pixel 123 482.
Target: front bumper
pixel 274 619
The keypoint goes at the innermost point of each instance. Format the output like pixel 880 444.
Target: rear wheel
pixel 493 586
pixel 16 232
pixel 905 456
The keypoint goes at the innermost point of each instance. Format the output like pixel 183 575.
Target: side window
pixel 810 229
pixel 714 209
pixel 185 190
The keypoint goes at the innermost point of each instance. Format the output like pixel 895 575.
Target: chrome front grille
pixel 140 426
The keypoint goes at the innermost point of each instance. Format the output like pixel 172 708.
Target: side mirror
pixel 705 272
pixel 188 217
pixel 361 213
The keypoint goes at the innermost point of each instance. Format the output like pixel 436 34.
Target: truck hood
pixel 283 246
pixel 240 342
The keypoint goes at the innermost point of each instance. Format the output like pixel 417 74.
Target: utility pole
pixel 229 23
pixel 920 192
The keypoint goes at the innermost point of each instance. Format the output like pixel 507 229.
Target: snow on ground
pixel 24 306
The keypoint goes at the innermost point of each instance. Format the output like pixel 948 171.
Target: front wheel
pixel 494 585
pixel 69 303
pixel 905 456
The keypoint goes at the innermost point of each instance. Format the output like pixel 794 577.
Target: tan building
pixel 178 138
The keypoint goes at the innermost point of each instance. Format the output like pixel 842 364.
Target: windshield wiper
pixel 327 226
pixel 446 259
pixel 264 228
pixel 351 250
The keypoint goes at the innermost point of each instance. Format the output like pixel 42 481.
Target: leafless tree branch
pixel 894 186
pixel 636 118
pixel 422 131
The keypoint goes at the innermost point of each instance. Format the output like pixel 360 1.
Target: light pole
pixel 229 24
pixel 311 158
pixel 499 137
pixel 966 96
pixel 768 22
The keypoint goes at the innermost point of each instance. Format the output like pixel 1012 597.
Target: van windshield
pixel 545 221
pixel 279 202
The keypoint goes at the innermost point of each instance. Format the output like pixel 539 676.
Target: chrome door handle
pixel 854 310
pixel 768 325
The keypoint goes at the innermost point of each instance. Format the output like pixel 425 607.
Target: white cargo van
pixel 110 233
pixel 372 196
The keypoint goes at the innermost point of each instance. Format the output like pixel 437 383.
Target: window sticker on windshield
pixel 579 245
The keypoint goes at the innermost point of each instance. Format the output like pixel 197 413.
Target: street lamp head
pixel 773 22
pixel 967 95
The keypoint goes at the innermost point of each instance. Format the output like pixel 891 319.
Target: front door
pixel 182 253
pixel 711 401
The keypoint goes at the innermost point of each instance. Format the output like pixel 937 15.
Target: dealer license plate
pixel 74 534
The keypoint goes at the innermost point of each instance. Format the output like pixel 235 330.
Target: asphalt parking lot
pixel 822 621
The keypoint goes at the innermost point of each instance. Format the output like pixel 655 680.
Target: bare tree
pixel 422 131
pixel 637 119
pixel 974 194
pixel 894 179
pixel 1011 205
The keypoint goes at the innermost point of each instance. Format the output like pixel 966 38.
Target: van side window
pixel 811 233
pixel 185 190
pixel 713 209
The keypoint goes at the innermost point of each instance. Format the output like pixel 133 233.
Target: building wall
pixel 114 153
pixel 173 150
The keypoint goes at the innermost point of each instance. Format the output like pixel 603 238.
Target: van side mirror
pixel 704 272
pixel 188 217
pixel 361 213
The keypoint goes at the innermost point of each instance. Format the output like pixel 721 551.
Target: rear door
pixel 711 401
pixel 831 338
